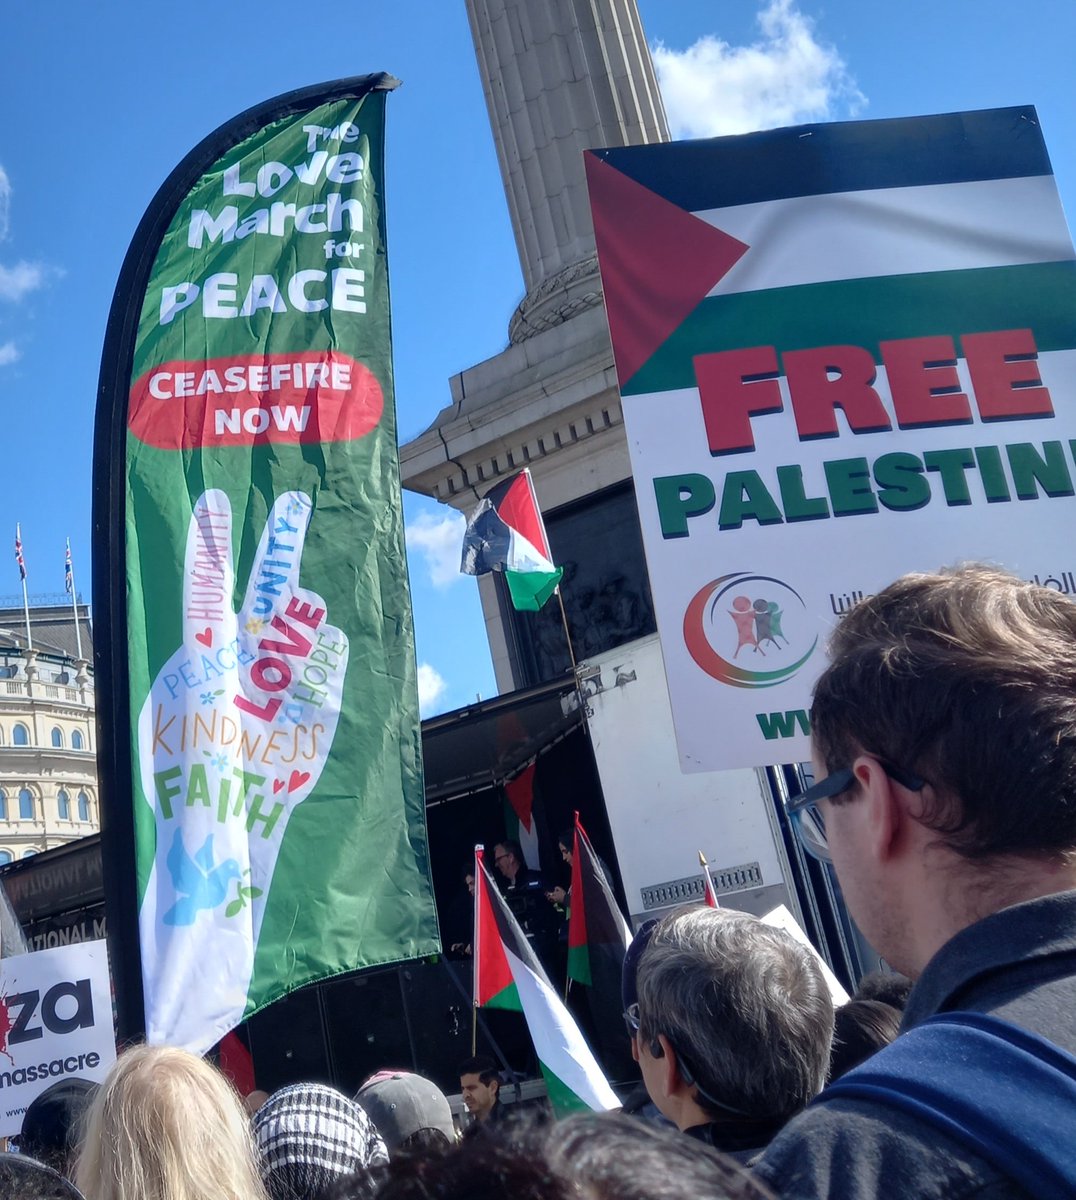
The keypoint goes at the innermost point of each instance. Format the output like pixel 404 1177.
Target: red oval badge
pixel 310 396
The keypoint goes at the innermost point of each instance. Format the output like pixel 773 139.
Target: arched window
pixel 83 807
pixel 20 736
pixel 76 740
pixel 26 805
pixel 5 857
pixel 29 853
pixel 63 805
pixel 3 805
pixel 57 736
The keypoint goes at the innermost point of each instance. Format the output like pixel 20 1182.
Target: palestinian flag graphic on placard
pixel 851 233
pixel 598 935
pixel 507 974
pixel 506 533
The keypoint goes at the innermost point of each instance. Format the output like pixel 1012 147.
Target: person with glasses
pixel 944 749
pixel 731 1028
pixel 525 894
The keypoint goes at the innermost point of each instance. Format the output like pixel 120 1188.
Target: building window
pixel 57 736
pixel 5 857
pixel 26 805
pixel 76 740
pixel 3 805
pixel 20 736
pixel 63 805
pixel 83 807
pixel 29 853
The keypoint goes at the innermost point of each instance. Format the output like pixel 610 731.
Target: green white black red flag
pixel 506 533
pixel 507 974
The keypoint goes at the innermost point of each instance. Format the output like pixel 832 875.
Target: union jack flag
pixel 67 569
pixel 18 552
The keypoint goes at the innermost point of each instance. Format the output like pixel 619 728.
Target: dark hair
pixel 513 847
pixel 590 1156
pixel 566 838
pixel 426 1140
pixel 890 987
pixel 483 1066
pixel 23 1178
pixel 51 1127
pixel 968 679
pixel 861 1028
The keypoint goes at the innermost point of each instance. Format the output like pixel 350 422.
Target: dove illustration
pixel 202 884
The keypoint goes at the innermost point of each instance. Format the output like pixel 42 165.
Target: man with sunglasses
pixel 944 745
pixel 731 1028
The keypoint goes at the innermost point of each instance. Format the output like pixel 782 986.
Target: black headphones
pixel 687 1073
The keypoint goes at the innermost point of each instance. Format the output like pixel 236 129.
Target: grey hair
pixel 746 1005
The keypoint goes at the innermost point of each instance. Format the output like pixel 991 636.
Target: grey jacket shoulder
pixel 851 1150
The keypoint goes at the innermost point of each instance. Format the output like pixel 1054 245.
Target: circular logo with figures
pixel 748 630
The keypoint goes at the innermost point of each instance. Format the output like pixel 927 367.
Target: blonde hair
pixel 167 1126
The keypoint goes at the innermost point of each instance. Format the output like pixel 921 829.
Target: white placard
pixel 55 1023
pixel 846 352
pixel 781 918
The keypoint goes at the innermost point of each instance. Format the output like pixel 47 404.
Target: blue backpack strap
pixel 1005 1094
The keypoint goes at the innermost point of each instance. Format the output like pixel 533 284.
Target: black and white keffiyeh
pixel 310 1135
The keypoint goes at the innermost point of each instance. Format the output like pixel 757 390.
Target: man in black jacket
pixel 944 745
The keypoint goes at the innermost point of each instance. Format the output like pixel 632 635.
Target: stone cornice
pixel 534 399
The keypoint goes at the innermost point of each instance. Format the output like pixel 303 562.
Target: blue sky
pixel 99 102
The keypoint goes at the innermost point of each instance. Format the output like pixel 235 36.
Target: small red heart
pixel 205 637
pixel 277 785
pixel 298 778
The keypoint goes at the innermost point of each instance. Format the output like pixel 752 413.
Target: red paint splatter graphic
pixel 6 1026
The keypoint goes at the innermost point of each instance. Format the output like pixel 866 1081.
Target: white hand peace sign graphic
pixel 234 734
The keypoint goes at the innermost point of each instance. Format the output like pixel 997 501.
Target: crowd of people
pixel 944 735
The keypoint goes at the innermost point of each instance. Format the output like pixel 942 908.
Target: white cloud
pixel 5 203
pixel 431 687
pixel 20 280
pixel 9 353
pixel 787 77
pixel 439 539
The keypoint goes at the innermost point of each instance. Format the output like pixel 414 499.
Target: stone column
pixel 560 77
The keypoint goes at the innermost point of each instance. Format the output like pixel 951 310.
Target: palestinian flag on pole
pixel 598 935
pixel 506 533
pixel 507 974
pixel 709 891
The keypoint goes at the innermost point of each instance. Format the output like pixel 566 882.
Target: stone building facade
pixel 48 764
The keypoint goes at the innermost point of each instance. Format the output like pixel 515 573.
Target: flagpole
pixel 22 573
pixel 475 952
pixel 575 855
pixel 26 614
pixel 708 882
pixel 575 666
pixel 70 573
